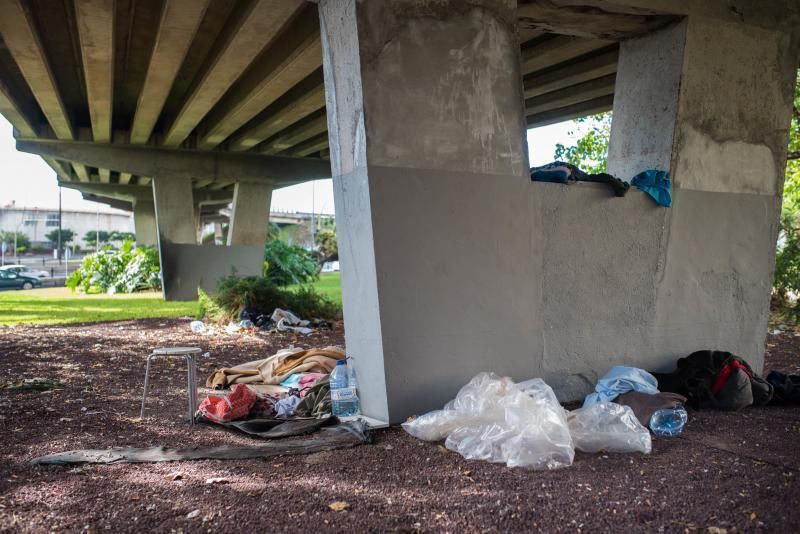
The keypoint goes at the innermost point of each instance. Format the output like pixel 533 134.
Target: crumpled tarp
pixel 656 184
pixel 341 436
pixel 621 379
pixel 276 428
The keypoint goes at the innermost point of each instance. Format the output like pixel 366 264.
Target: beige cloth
pixel 278 367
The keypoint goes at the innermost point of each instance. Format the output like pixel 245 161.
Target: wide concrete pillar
pixel 709 100
pixel 426 125
pixel 144 220
pixel 250 214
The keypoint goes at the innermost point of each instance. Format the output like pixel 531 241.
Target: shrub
pixel 124 271
pixel 289 264
pixel 259 293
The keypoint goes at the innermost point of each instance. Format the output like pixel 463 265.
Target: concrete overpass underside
pixel 418 110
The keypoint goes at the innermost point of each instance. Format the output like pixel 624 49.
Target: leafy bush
pixel 289 264
pixel 124 271
pixel 259 293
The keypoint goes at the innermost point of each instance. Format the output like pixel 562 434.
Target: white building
pixel 36 223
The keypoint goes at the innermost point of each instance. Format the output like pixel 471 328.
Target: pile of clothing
pixel 713 379
pixel 292 383
pixel 653 182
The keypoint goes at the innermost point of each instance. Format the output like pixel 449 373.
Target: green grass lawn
pixel 59 306
pixel 330 285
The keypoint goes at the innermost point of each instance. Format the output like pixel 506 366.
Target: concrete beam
pixel 315 144
pixel 606 22
pixel 125 178
pixel 179 22
pixel 141 193
pixel 23 42
pixel 550 50
pixel 110 202
pixel 571 73
pixel 301 100
pixel 312 125
pixel 250 214
pixel 571 95
pixel 95 20
pixel 262 20
pixel 12 110
pixel 292 56
pixel 590 107
pixel 168 162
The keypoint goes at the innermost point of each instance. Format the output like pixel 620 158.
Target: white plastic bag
pixel 608 426
pixel 494 419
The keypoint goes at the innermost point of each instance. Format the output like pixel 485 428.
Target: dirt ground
pixel 730 471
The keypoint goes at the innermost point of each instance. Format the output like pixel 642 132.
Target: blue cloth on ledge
pixel 656 184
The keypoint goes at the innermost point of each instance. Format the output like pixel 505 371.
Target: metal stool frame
pixel 188 354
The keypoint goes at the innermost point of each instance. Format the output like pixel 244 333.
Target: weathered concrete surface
pixel 174 210
pixel 188 267
pixel 144 221
pixel 250 214
pixel 428 59
pixel 548 280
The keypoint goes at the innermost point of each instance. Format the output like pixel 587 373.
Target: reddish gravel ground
pixel 731 471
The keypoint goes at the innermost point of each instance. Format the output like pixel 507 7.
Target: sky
pixel 30 182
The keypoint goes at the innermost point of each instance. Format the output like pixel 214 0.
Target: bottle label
pixel 344 394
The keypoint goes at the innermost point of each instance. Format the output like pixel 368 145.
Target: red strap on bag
pixel 725 374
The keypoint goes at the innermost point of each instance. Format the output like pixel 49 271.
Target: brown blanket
pixel 278 367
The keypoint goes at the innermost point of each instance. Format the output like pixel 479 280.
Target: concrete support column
pixel 425 122
pixel 144 220
pixel 250 214
pixel 709 100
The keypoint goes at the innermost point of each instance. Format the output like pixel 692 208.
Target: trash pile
pixel 312 386
pixel 251 320
pixel 653 182
pixel 523 425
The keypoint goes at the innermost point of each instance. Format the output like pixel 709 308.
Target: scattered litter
pixel 174 476
pixel 339 506
pixel 491 418
pixel 610 427
pixel 32 384
pixel 565 173
pixel 198 327
pixel 217 480
pixel 193 514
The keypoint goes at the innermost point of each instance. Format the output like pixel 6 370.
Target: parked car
pixel 25 270
pixel 12 280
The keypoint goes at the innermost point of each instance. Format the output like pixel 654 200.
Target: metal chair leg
pixel 146 383
pixel 191 387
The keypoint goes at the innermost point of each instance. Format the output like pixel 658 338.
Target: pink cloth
pixel 308 380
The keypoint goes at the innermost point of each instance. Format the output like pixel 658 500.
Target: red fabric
pixel 230 407
pixel 725 374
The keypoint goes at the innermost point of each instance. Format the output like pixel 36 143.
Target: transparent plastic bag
pixel 608 426
pixel 496 420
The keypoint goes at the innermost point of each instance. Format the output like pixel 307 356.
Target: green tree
pixel 121 236
pixel 67 236
pixel 289 264
pixel 23 241
pixel 327 246
pixel 93 236
pixel 591 151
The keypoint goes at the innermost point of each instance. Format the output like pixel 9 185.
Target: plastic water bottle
pixel 668 422
pixel 344 398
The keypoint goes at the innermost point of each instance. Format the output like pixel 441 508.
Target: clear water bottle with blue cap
pixel 668 422
pixel 344 396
